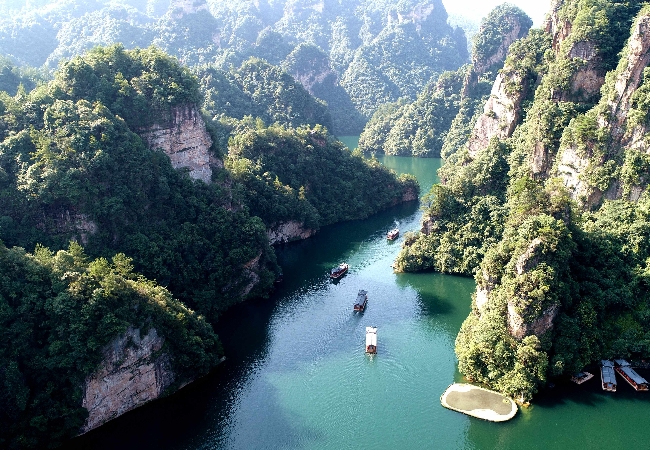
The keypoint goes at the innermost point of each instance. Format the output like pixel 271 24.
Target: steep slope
pixel 424 127
pixel 562 273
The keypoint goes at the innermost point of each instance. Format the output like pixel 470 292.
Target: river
pixel 297 376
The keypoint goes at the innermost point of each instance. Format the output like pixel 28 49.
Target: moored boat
pixel 607 375
pixel 371 340
pixel 581 377
pixel 392 234
pixel 339 271
pixel 362 301
pixel 624 369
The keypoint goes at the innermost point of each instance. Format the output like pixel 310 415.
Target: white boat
pixel 371 340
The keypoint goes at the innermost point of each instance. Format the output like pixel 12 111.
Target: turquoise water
pixel 297 376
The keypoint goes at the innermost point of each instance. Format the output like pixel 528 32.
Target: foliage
pixel 419 128
pixel 57 312
pixel 261 90
pixel 303 174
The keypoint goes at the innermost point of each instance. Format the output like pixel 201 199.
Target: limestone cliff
pixel 133 372
pixel 500 115
pixel 186 141
pixel 288 231
pixel 579 159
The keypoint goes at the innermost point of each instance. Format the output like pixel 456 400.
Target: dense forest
pixel 544 201
pixel 80 161
pixel 353 55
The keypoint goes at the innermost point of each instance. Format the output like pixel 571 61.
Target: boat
pixel 392 234
pixel 371 340
pixel 607 375
pixel 581 377
pixel 339 271
pixel 362 301
pixel 624 369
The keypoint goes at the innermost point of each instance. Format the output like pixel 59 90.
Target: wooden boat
pixel 392 234
pixel 581 377
pixel 371 340
pixel 607 376
pixel 635 380
pixel 339 271
pixel 362 301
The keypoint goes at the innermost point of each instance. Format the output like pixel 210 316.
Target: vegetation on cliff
pixel 57 312
pixel 552 219
pixel 307 176
pixel 440 120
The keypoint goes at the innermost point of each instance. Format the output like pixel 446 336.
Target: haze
pixel 476 9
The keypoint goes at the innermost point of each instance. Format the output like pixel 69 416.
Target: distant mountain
pixel 370 52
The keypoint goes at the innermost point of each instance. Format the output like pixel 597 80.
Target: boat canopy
pixel 606 363
pixel 621 362
pixel 371 336
pixel 631 373
pixel 609 377
pixel 361 296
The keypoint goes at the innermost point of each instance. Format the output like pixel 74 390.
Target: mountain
pixel 546 203
pixel 354 55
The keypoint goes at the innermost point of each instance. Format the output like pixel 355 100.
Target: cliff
pixel 588 164
pixel 133 372
pixel 185 140
pixel 283 232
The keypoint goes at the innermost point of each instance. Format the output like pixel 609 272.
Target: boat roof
pixel 608 375
pixel 606 363
pixel 630 372
pixel 621 362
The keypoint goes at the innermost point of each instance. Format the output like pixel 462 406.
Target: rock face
pixel 519 328
pixel 612 121
pixel 132 373
pixel 500 115
pixel 185 140
pixel 288 231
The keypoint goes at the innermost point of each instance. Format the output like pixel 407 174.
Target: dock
pixel 581 377
pixel 478 402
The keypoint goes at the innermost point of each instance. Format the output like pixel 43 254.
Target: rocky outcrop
pixel 186 141
pixel 133 372
pixel 288 231
pixel 612 121
pixel 519 328
pixel 629 79
pixel 500 115
pixel 250 272
pixel 517 31
pixel 559 29
pixel 180 8
pixel 78 227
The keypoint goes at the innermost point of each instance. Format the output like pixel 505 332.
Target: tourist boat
pixel 392 234
pixel 339 271
pixel 362 301
pixel 371 340
pixel 581 377
pixel 635 380
pixel 607 375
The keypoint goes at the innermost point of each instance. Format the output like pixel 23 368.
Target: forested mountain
pixel 355 55
pixel 424 127
pixel 114 154
pixel 546 203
